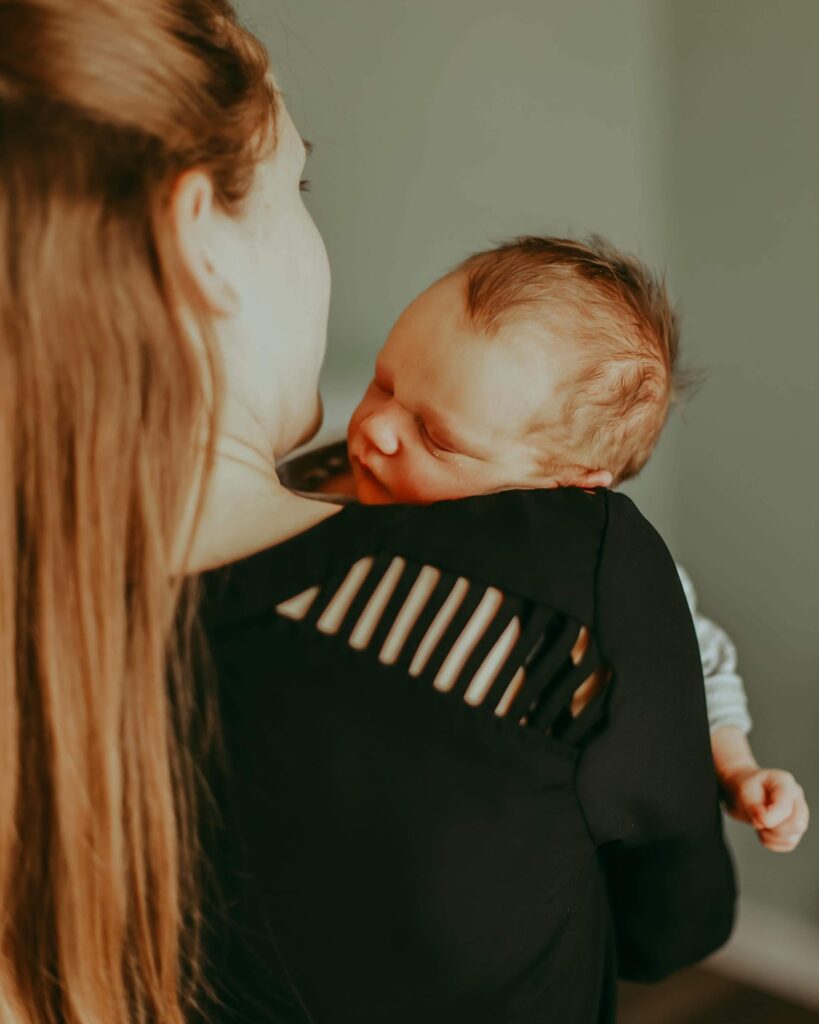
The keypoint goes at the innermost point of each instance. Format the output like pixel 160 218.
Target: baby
pixel 548 362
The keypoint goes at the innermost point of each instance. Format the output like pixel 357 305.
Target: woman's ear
pixel 201 239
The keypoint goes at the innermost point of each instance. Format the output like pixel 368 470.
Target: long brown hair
pixel 103 408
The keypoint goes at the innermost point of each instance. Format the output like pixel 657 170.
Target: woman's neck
pixel 246 510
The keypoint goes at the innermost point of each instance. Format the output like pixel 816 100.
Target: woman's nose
pixel 381 432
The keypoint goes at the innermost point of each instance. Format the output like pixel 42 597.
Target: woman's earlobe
pixel 222 295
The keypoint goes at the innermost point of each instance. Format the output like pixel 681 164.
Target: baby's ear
pixel 594 478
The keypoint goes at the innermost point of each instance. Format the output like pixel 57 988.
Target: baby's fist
pixel 773 802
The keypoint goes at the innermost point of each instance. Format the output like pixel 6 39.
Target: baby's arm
pixel 768 798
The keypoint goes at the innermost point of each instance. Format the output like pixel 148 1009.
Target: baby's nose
pixel 381 433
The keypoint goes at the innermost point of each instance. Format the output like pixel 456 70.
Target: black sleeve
pixel 646 779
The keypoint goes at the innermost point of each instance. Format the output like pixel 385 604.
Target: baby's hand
pixel 773 802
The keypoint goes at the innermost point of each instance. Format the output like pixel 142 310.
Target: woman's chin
pixel 309 430
pixel 316 422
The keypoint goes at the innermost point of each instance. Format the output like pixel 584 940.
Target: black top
pixel 393 854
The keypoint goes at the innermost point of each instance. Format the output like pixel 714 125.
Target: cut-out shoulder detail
pixel 481 682
pixel 465 644
pixel 371 616
pixel 593 683
pixel 416 599
pixel 297 607
pixel 511 692
pixel 439 626
pixel 472 642
pixel 333 615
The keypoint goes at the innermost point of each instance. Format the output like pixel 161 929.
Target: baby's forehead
pixel 492 388
pixel 554 321
pixel 440 317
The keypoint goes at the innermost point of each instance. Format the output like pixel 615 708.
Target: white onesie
pixel 724 692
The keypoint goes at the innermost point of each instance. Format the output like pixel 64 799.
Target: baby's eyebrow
pixel 308 146
pixel 432 418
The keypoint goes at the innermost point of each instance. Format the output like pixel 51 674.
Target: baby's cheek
pixel 407 481
pixel 424 481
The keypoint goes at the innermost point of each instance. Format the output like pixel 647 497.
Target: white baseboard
pixel 773 951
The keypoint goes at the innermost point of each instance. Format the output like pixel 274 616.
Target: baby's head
pixel 545 362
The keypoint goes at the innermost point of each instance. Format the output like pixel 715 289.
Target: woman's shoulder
pixel 541 545
pixel 633 552
pixel 572 519
pixel 500 524
pixel 569 526
pixel 538 544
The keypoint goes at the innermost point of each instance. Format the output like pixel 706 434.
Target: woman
pixel 371 846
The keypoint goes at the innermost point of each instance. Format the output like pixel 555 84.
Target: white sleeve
pixel 724 691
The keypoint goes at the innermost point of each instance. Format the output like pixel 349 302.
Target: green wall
pixel 745 247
